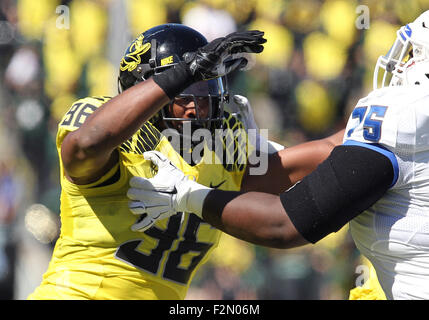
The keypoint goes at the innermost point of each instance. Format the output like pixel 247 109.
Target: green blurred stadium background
pixel 315 66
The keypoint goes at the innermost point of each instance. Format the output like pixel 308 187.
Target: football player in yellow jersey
pixel 169 77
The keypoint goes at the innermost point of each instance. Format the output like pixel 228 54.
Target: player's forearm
pixel 90 147
pixel 290 165
pixel 117 120
pixel 299 161
pixel 336 139
pixel 87 153
pixel 255 217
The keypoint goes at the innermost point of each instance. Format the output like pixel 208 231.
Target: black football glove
pixel 222 55
pixel 215 59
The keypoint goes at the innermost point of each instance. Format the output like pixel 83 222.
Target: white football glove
pixel 164 195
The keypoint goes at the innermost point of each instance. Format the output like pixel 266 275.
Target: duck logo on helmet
pixel 133 57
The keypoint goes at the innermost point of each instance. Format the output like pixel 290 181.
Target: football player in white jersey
pixel 378 180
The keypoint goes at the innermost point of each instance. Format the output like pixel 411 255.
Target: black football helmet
pixel 161 47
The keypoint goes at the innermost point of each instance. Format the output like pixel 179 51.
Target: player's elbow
pixel 83 146
pixel 281 235
pixel 289 238
pixel 278 231
pixel 79 155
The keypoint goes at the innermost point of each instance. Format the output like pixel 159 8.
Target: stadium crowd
pixel 318 61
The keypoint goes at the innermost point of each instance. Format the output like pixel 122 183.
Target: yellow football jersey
pixel 97 256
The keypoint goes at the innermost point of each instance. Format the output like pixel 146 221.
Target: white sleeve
pixel 401 128
pixel 375 127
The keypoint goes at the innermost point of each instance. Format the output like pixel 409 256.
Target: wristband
pixel 192 196
pixel 174 80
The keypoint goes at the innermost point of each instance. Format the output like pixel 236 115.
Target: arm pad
pixel 348 182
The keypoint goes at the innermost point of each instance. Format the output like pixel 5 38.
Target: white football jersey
pixel 394 233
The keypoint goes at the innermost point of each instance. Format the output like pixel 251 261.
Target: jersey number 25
pixel 372 118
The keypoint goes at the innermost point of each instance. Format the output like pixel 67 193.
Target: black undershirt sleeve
pixel 348 182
